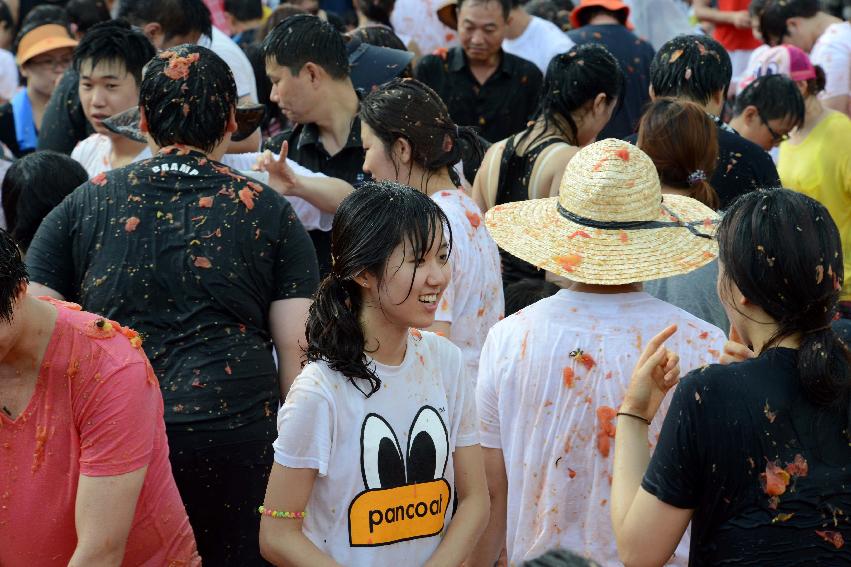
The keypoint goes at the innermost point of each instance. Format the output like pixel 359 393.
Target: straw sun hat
pixel 610 224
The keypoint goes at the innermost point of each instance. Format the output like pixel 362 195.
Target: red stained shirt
pixel 97 411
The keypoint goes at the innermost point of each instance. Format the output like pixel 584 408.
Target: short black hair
pixel 303 39
pixel 775 96
pixel 506 5
pixel 525 292
pixel 13 274
pixel 772 16
pixel 381 36
pixel 693 67
pixel 33 186
pixel 188 94
pixel 177 17
pixel 115 41
pixel 589 14
pixel 84 14
pixel 244 10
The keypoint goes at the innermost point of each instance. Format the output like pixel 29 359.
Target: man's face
pixel 481 29
pixel 292 93
pixel 105 90
pixel 765 133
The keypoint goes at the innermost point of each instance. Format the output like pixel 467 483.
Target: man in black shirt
pixel 698 69
pixel 481 84
pixel 595 23
pixel 213 270
pixel 306 61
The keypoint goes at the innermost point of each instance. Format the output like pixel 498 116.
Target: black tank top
pixel 515 171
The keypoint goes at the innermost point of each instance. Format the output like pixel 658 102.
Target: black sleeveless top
pixel 515 171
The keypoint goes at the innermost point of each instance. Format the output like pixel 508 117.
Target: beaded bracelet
pixel 276 514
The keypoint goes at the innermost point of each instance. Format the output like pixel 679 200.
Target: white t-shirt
pixel 93 154
pixel 539 43
pixel 473 300
pixel 832 52
pixel 9 82
pixel 386 486
pixel 240 66
pixel 540 405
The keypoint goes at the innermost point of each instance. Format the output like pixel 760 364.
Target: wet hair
pixel 398 215
pixel 13 274
pixel 772 15
pixel 691 66
pixel 115 41
pixel 409 109
pixel 193 109
pixel 573 80
pixel 783 251
pixel 377 10
pixel 681 139
pixel 525 292
pixel 560 558
pixel 177 17
pixel 281 13
pixel 244 10
pixel 777 97
pixel 381 36
pixel 303 39
pixel 506 5
pixel 33 186
pixel 84 14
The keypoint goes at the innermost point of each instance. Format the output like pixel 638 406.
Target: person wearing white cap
pixel 552 376
pixel 44 52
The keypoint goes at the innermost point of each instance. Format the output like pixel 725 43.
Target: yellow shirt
pixel 820 167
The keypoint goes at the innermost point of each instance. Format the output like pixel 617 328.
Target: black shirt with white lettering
pixel 499 108
pixel 191 255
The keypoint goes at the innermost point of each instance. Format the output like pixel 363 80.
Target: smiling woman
pixel 379 430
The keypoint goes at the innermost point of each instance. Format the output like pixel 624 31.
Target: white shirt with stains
pixel 473 301
pixel 550 408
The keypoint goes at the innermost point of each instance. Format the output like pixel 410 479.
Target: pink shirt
pixel 97 411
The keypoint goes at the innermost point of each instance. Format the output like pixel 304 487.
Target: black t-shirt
pixel 724 425
pixel 634 56
pixel 191 256
pixel 64 123
pixel 741 168
pixel 499 108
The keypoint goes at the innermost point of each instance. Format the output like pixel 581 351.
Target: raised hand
pixel 657 371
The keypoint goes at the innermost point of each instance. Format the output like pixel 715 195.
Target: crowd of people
pixel 469 282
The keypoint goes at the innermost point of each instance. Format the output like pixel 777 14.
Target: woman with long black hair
pixel 410 138
pixel 580 92
pixel 378 435
pixel 756 453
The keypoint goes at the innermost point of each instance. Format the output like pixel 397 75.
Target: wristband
pixel 644 419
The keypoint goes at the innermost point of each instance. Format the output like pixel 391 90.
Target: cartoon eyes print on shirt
pixel 406 496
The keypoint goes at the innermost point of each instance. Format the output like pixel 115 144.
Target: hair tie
pixel 696 177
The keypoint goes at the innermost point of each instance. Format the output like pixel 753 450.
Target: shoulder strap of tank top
pixel 507 154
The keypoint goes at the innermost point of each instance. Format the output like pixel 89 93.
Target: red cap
pixel 611 5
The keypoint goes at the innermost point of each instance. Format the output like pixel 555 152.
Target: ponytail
pixel 783 252
pixel 704 192
pixel 335 335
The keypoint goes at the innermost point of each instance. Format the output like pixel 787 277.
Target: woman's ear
pixel 749 114
pixel 601 103
pixel 402 151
